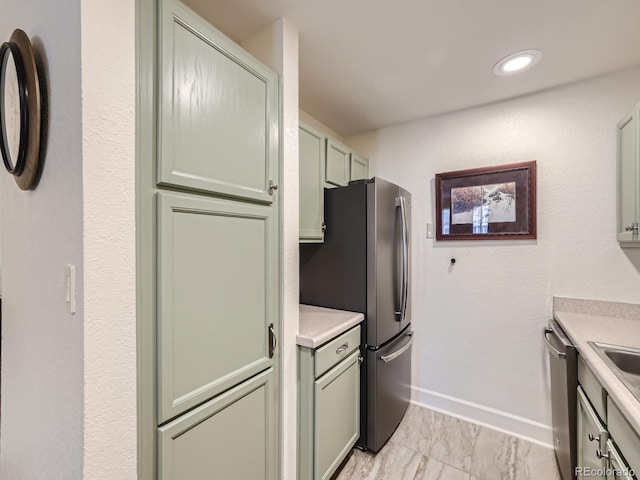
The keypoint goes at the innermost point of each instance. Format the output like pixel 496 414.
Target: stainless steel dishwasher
pixel 564 384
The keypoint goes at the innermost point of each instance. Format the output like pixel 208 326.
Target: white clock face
pixel 11 111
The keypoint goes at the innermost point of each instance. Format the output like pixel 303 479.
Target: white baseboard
pixel 485 416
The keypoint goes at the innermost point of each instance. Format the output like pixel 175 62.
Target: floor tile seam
pixel 441 461
pixel 452 466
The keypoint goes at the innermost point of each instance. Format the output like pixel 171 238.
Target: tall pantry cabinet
pixel 209 261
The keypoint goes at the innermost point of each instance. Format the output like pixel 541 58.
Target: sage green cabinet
pixel 625 438
pixel 218 294
pixel 337 415
pixel 211 285
pixel 323 163
pixel 628 179
pixel 343 165
pixel 592 438
pixel 608 448
pixel 329 405
pixel 617 468
pixel 359 167
pixel 218 111
pixel 338 166
pixel 312 168
pixel 232 436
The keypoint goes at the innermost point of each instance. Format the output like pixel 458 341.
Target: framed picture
pixel 490 203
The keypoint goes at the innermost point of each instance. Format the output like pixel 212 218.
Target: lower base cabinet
pixel 592 438
pixel 329 408
pixel 602 448
pixel 617 468
pixel 230 437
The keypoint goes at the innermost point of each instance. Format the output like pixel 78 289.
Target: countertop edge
pixel 329 324
pixel 319 340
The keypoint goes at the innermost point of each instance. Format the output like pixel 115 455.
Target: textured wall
pixel 479 349
pixel 42 381
pixel 108 92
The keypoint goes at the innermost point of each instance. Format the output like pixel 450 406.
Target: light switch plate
pixel 430 230
pixel 70 283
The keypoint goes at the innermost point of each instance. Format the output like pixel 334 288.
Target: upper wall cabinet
pixel 218 111
pixel 312 154
pixel 338 166
pixel 629 179
pixel 359 167
pixel 324 163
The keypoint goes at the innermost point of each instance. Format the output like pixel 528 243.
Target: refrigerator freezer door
pixel 388 389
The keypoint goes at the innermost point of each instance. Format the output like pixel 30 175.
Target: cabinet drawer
pixel 337 349
pixel 593 389
pixel 627 440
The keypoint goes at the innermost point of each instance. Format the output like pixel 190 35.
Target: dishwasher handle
pixel 553 350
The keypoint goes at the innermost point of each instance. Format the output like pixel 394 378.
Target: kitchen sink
pixel 624 362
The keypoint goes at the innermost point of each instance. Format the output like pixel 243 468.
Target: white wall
pixel 109 129
pixel 277 47
pixel 41 419
pixel 479 350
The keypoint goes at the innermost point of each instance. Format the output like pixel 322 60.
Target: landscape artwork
pixel 484 204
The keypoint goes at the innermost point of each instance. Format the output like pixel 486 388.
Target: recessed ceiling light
pixel 517 62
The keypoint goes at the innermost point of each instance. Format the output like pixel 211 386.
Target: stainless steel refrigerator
pixel 363 266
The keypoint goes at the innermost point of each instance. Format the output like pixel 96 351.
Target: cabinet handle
pixel 342 348
pixel 632 228
pixel 272 186
pixel 272 340
pixel 601 455
pixel 593 438
pixel 324 227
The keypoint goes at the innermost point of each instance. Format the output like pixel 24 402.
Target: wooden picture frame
pixel 489 203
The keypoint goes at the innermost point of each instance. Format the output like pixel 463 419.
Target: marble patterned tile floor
pixel 431 446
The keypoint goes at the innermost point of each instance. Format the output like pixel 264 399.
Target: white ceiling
pixel 366 64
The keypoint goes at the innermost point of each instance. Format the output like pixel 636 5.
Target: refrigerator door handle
pixel 404 287
pixel 400 252
pixel 397 353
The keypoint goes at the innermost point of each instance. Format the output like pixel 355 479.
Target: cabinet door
pixel 617 468
pixel 628 176
pixel 232 436
pixel 592 436
pixel 337 415
pixel 337 169
pixel 312 154
pixel 218 111
pixel 217 296
pixel 359 167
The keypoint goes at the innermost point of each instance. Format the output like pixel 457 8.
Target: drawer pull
pixel 342 348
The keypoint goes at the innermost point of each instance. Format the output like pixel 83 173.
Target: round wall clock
pixel 20 111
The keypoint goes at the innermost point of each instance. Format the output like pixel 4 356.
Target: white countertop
pixel 582 327
pixel 319 325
